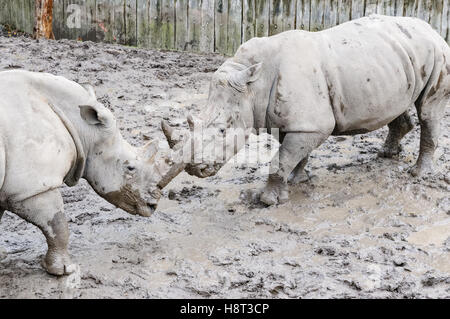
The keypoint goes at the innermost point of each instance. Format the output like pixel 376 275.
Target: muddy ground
pixel 361 227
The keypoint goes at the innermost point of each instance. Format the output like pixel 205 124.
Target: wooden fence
pixel 208 25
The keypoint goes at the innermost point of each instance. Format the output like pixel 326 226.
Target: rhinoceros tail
pixel 77 169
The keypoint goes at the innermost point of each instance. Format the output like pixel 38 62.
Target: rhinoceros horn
pixel 169 133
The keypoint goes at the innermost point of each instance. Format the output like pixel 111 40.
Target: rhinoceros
pixel 350 79
pixel 54 131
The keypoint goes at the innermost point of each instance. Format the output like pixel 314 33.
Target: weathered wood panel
pixel 181 25
pixel 156 23
pixel 248 20
pixel 275 17
pixel 234 37
pixel 168 25
pixel 288 22
pixel 208 25
pixel 194 25
pixel 371 7
pixel 221 25
pixel 317 11
pixel 143 23
pixel 330 16
pixel 345 11
pixel 105 21
pixel 358 9
pixel 131 22
pixel 303 14
pixel 262 18
pixel 445 19
pixel 282 16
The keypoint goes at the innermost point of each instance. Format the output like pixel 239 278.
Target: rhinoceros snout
pixel 146 210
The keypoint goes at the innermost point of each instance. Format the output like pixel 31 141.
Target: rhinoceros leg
pixel 2 251
pixel 46 211
pixel 299 174
pixel 429 119
pixel 294 149
pixel 397 129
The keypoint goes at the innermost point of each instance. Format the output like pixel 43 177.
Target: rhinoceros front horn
pixel 168 132
pixel 177 165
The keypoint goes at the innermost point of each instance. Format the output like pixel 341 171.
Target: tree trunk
pixel 44 18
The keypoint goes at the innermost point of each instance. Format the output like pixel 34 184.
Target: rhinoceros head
pixel 225 124
pixel 128 177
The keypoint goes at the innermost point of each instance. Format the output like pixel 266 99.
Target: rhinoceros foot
pixel 58 264
pixel 423 169
pixel 275 192
pixel 298 178
pixel 389 152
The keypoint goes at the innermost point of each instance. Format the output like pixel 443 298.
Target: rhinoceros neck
pixel 260 50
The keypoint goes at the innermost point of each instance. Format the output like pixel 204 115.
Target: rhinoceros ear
pixel 93 117
pixel 250 74
pixel 88 87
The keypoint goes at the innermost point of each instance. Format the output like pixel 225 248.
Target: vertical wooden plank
pixel 282 16
pixel 105 21
pixel 399 8
pixel 303 14
pixel 357 9
pixel 317 11
pixel 119 25
pixel 262 18
pixel 130 22
pixel 24 16
pixel 436 15
pixel 194 25
pixel 181 34
pixel 409 7
pixel 288 22
pixel 276 17
pixel 207 31
pixel 371 7
pixel 58 18
pixel 78 22
pixel 14 14
pixel 155 23
pixel 445 19
pixel 32 14
pixel 344 10
pixel 168 25
pixel 330 18
pixel 234 26
pixel 143 23
pixel 248 23
pixel 383 7
pixel 3 11
pixel 422 10
pixel 221 25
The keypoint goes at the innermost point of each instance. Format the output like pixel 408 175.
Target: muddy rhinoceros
pixel 350 79
pixel 54 131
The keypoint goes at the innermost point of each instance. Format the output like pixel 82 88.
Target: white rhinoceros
pixel 350 79
pixel 52 131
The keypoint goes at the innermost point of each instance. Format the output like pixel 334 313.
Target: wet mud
pixel 361 227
